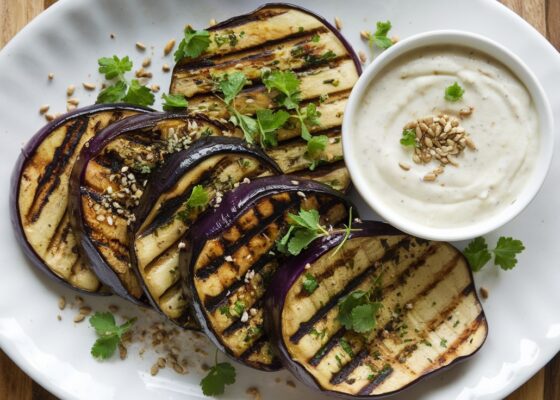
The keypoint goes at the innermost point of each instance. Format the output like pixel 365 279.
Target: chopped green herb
pixel 114 67
pixel 315 38
pixel 193 44
pixel 309 283
pixel 358 312
pixel 443 342
pixel 346 347
pixel 268 123
pixel 380 38
pixel 139 94
pixel 318 334
pixel 239 308
pixel 198 197
pixel 408 138
pixel 454 92
pixel 173 102
pixel 110 334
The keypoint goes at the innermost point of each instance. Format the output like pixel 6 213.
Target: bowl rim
pixel 519 70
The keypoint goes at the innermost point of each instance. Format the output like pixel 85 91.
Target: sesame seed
pixel 364 35
pixel 168 47
pixel 363 57
pixel 404 166
pixel 88 85
pixel 154 88
pixel 338 23
pixel 74 101
pixel 147 62
pixel 140 46
pixel 245 317
pixel 62 303
pixel 213 22
pixel 100 218
pixel 50 76
pixel 44 108
pixel 124 169
pixel 228 258
pixel 182 245
pixel 307 266
pixel 295 182
pixel 301 194
pixel 165 68
pixel 79 318
pixel 49 117
pixel 110 220
pixel 70 90
pixel 246 180
pixel 253 312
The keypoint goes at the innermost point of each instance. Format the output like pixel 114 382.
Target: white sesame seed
pixel 110 220
pixel 44 108
pixel 88 85
pixel 124 169
pixel 295 182
pixel 140 46
pixel 301 194
pixel 70 90
pixel 168 47
pixel 307 266
pixel 182 245
pixel 409 306
pixel 100 218
pixel 253 312
pixel 245 317
pixel 228 258
pixel 246 180
pixel 50 76
pixel 338 23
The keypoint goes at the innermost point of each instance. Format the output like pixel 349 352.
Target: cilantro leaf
pixel 174 101
pixel 408 138
pixel 379 38
pixel 477 253
pixel 454 92
pixel 193 44
pixel 112 94
pixel 113 67
pixel 309 283
pixel 287 84
pixel 300 240
pixel 308 219
pixel 139 94
pixel 268 123
pixel 506 251
pixel 383 28
pixel 316 145
pixel 109 333
pixel 247 124
pixel 105 346
pixel 198 197
pixel 282 244
pixel 231 84
pixel 218 377
pixel 311 115
pixel 347 304
pixel 364 317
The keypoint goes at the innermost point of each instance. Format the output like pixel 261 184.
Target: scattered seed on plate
pixel 338 23
pixel 79 318
pixel 168 47
pixel 395 39
pixel 213 22
pixel 70 107
pixel 165 68
pixel 154 88
pixel 484 293
pixel 50 76
pixel 88 85
pixel 363 57
pixel 74 101
pixel 154 370
pixel 364 35
pixel 147 62
pixel 140 46
pixel 62 303
pixel 49 117
pixel 254 393
pixel 404 166
pixel 70 90
pixel 44 108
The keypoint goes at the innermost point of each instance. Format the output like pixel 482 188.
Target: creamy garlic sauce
pixel 504 127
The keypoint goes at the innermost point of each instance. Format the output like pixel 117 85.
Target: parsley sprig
pixel 379 38
pixel 193 44
pixel 305 227
pixel 110 334
pixel 505 253
pixel 454 92
pixel 220 375
pixel 122 90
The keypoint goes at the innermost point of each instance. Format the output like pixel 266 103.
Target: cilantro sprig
pixel 505 253
pixel 115 68
pixel 110 334
pixel 193 44
pixel 454 92
pixel 198 199
pixel 358 311
pixel 305 227
pixel 174 102
pixel 219 375
pixel 379 38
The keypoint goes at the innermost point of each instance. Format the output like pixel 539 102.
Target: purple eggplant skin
pixel 235 203
pixel 27 151
pixel 98 264
pixel 284 279
pixel 167 175
pixel 233 21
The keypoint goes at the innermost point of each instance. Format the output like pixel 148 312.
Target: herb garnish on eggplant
pixel 190 182
pixel 278 38
pixel 39 196
pixel 231 255
pixel 109 179
pixel 380 314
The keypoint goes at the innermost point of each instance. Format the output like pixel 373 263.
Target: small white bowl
pixel 501 54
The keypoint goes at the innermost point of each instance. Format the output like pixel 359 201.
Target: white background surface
pixel 67 39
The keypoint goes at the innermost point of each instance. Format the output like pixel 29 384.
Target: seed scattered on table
pixel 338 23
pixel 62 303
pixel 88 86
pixel 213 22
pixel 363 57
pixel 168 47
pixel 165 68
pixel 44 108
pixel 140 46
pixel 70 90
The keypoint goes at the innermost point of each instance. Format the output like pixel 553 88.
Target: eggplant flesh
pixel 42 192
pixel 109 182
pixel 430 315
pixel 276 37
pixel 231 271
pixel 156 242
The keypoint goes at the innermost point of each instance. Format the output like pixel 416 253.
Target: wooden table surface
pixel 544 15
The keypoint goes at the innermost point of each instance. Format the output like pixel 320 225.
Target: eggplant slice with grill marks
pixel 279 37
pixel 39 195
pixel 230 256
pixel 430 315
pixel 108 180
pixel 218 164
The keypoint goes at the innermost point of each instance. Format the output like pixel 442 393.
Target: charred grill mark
pixel 211 303
pixel 50 179
pixel 266 13
pixel 255 348
pixel 377 380
pixel 62 231
pixel 206 271
pixel 345 371
pixel 110 160
pixel 327 347
pixel 404 275
pixel 447 312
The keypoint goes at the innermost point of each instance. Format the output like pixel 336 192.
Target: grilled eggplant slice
pixel 430 316
pixel 39 196
pixel 218 164
pixel 108 180
pixel 279 37
pixel 230 257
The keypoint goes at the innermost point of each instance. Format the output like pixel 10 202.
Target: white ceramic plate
pixel 68 38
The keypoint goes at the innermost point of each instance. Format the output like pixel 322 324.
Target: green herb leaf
pixel 109 334
pixel 300 240
pixel 268 123
pixel 113 67
pixel 311 115
pixel 139 94
pixel 380 38
pixel 358 312
pixel 364 317
pixel 477 253
pixel 506 251
pixel 112 94
pixel 248 125
pixel 454 92
pixel 193 44
pixel 231 84
pixel 316 145
pixel 308 219
pixel 287 84
pixel 309 283
pixel 408 138
pixel 347 304
pixel 315 38
pixel 173 102
pixel 198 197
pixel 383 28
pixel 346 347
pixel 218 377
